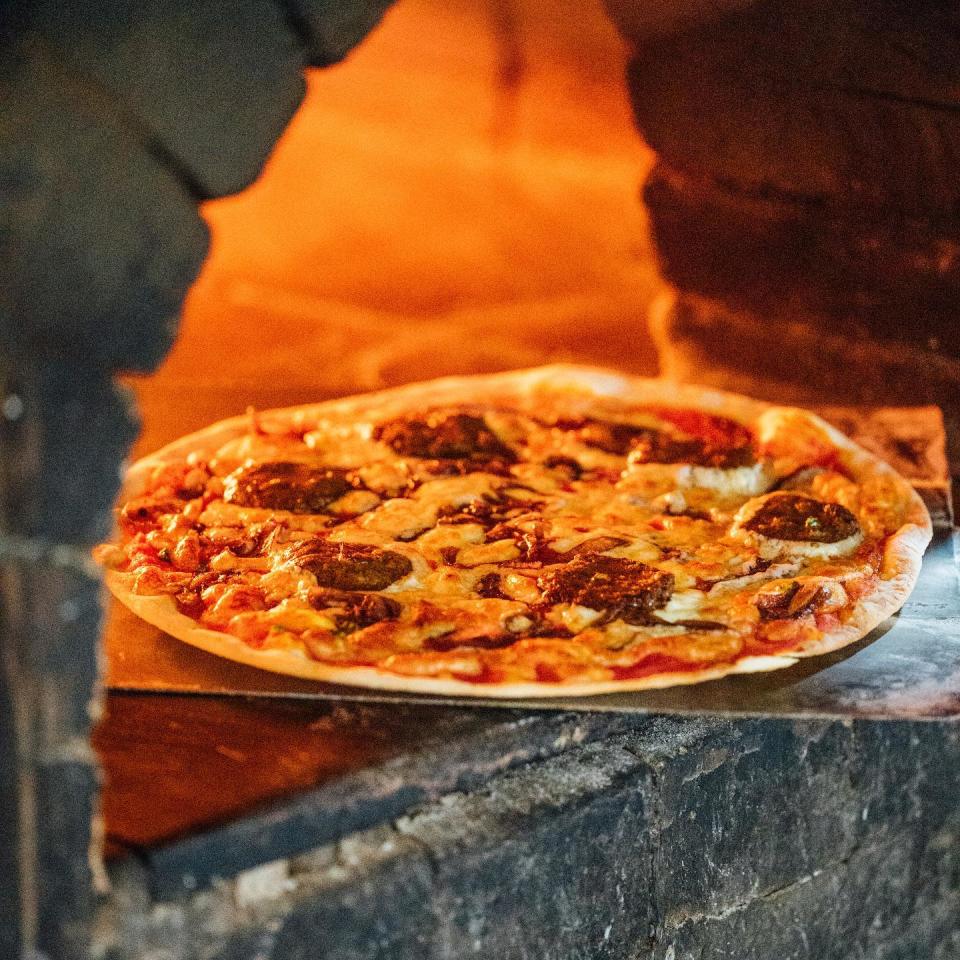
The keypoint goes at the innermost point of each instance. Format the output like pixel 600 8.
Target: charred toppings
pixel 489 587
pixel 145 513
pixel 794 601
pixel 487 511
pixel 445 642
pixel 535 549
pixel 616 438
pixel 354 611
pixel 444 435
pixel 624 589
pixel 572 468
pixel 795 516
pixel 297 487
pixel 646 444
pixel 349 566
pixel 663 448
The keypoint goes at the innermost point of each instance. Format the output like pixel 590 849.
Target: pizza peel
pixel 908 668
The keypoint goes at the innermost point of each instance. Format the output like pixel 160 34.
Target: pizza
pixel 558 530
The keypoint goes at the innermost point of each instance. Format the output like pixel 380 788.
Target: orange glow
pixel 460 195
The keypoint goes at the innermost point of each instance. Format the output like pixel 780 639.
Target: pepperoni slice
pixel 649 445
pixel 297 487
pixel 662 448
pixel 606 435
pixel 627 589
pixel 795 516
pixel 349 566
pixel 444 436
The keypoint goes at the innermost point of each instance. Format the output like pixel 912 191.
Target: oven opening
pixel 755 197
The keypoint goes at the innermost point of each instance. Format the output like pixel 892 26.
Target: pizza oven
pixel 206 209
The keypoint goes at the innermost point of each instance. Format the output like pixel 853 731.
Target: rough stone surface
pixel 11 827
pixel 805 179
pixel 459 750
pixel 677 839
pixel 99 240
pixel 212 84
pixel 58 478
pixel 332 28
pixel 65 797
pixel 861 271
pixel 851 102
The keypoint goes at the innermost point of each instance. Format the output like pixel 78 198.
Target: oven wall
pixel 460 196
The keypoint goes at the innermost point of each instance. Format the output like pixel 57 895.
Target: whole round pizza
pixel 560 530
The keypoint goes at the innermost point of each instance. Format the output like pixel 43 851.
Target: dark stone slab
pixel 457 750
pixel 212 83
pixel 675 839
pixel 66 803
pixel 62 435
pixel 550 862
pixel 383 914
pixel 894 898
pixel 71 430
pixel 50 631
pixel 100 240
pixel 11 827
pixel 330 29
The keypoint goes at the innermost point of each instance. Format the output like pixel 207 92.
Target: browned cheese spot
pixel 354 611
pixel 790 603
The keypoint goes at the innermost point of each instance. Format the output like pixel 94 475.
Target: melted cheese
pixel 683 605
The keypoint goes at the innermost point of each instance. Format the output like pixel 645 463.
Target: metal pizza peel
pixel 908 668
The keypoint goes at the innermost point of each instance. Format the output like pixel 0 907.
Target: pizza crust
pixel 161 612
pixel 901 564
